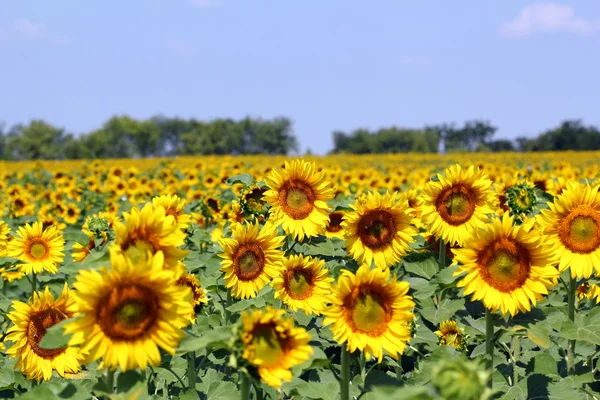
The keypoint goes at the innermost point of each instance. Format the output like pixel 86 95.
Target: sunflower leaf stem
pixel 516 344
pixel 33 283
pixel 442 255
pixel 244 386
pixel 489 343
pixel 4 286
pixel 110 380
pixel 571 310
pixel 227 304
pixel 362 362
pixel 345 374
pixel 191 369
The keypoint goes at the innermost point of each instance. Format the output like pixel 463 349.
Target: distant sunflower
pixel 587 291
pixel 128 312
pixel 174 205
pixel 39 249
pixel 298 197
pixel 4 231
pixel 251 258
pixel 457 203
pixel 379 229
pixel 334 225
pixel 450 334
pixel 11 274
pixel 198 294
pixel 273 344
pixel 371 312
pixel 572 227
pixel 31 321
pixel 303 284
pixel 147 232
pixel 507 267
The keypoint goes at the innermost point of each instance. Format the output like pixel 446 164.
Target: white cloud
pixel 29 28
pixel 548 17
pixel 206 3
pixel 414 61
pixel 180 48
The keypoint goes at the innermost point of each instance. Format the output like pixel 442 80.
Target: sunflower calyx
pixel 98 225
pixel 521 199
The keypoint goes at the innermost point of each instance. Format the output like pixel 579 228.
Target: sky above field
pixel 328 65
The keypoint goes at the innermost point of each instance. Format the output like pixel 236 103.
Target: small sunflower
pixel 371 312
pixel 173 205
pixel 251 258
pixel 128 312
pixel 334 225
pixel 11 274
pixel 298 197
pixel 507 267
pixel 450 334
pixel 149 230
pixel 273 344
pixel 198 293
pixel 457 203
pixel 572 227
pixel 379 229
pixel 587 291
pixel 4 231
pixel 39 249
pixel 303 284
pixel 31 321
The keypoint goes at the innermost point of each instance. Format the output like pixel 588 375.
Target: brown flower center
pixel 376 229
pixel 269 346
pixel 297 199
pixel 128 312
pixel 456 204
pixel 580 230
pixel 248 261
pixel 505 265
pixel 335 222
pixel 298 283
pixel 367 310
pixel 38 324
pixel 38 249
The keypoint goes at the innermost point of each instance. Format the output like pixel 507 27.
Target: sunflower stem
pixel 489 343
pixel 110 380
pixel 442 253
pixel 191 369
pixel 4 286
pixel 516 344
pixel 33 283
pixel 227 304
pixel 244 387
pixel 345 375
pixel 571 343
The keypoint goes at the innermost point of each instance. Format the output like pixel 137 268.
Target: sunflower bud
pixel 521 198
pixel 98 225
pixel 461 378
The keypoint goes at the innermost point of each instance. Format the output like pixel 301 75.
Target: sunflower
pixel 251 258
pixel 273 344
pixel 4 231
pixel 457 203
pixel 450 334
pixel 334 225
pixel 128 312
pixel 379 229
pixel 298 196
pixel 507 267
pixel 80 251
pixel 173 205
pixel 40 249
pixel 149 231
pixel 30 323
pixel 371 312
pixel 198 294
pixel 572 227
pixel 587 291
pixel 10 274
pixel 303 284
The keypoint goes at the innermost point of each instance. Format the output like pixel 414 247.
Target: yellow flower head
pixel 39 249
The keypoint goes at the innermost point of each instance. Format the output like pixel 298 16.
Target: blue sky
pixel 328 65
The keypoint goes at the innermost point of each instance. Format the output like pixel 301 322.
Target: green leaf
pixel 246 179
pixel 424 266
pixel 539 333
pixel 379 378
pixel 589 333
pixel 446 309
pixel 243 305
pixel 128 379
pixel 208 338
pixel 78 237
pixel 55 338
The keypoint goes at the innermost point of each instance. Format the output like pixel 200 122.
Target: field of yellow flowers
pixel 467 276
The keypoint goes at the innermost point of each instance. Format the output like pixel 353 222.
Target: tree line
pixel 476 135
pixel 125 137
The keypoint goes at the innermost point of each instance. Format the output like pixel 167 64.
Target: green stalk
pixel 489 343
pixel 244 387
pixel 571 343
pixel 191 370
pixel 4 286
pixel 110 380
pixel 33 283
pixel 345 375
pixel 442 253
pixel 227 304
pixel 516 344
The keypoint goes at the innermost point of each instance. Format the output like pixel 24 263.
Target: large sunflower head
pixel 128 312
pixel 173 206
pixel 379 229
pixel 298 196
pixel 30 323
pixel 148 231
pixel 273 344
pixel 39 249
pixel 506 267
pixel 251 258
pixel 371 312
pixel 456 203
pixel 572 227
pixel 303 283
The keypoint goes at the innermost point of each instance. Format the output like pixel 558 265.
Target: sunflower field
pixel 466 276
